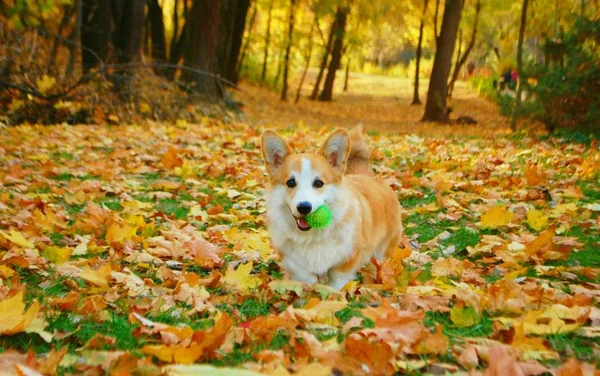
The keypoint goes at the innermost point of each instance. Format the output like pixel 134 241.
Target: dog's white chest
pixel 315 254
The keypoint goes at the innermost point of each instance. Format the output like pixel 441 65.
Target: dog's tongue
pixel 302 223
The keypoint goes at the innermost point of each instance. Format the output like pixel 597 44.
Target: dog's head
pixel 305 181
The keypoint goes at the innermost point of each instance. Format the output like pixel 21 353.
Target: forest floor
pixel 145 248
pixel 381 103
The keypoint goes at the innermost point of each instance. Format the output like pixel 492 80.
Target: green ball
pixel 320 218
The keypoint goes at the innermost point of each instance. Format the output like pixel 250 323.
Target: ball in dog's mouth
pixel 302 224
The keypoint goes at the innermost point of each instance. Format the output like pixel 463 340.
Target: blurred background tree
pixel 152 58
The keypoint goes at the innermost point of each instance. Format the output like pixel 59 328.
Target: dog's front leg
pixel 338 279
pixel 297 272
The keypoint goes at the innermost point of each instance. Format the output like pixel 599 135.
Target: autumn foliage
pixel 145 248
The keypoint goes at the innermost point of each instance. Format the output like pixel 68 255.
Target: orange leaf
pixel 171 158
pixel 533 175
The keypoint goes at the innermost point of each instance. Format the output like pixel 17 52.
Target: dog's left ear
pixel 336 150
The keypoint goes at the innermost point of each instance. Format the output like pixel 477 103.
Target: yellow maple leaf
pixel 240 278
pixel 536 219
pixel 117 233
pixel 57 255
pixel 258 243
pixel 13 318
pixel 498 216
pixel 17 238
pixel 45 83
pixel 464 317
pixel 98 277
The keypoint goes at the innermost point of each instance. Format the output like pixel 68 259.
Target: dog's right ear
pixel 274 150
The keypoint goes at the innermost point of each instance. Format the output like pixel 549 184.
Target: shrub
pixel 569 92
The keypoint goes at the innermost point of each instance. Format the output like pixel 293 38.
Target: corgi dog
pixel 366 215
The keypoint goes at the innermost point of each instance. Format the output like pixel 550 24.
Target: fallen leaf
pixel 498 216
pixel 240 278
pixel 13 317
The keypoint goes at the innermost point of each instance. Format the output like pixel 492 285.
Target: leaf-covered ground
pixel 143 249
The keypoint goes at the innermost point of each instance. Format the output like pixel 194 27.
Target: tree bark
pixel 513 119
pixel 76 37
pixel 324 60
pixel 157 31
pixel 130 30
pixel 175 20
pixel 436 106
pixel 336 54
pixel 247 42
pixel 66 18
pixel 286 61
pixel 96 28
pixel 201 47
pixel 307 58
pixel 267 42
pixel 347 77
pixel 436 32
pixel 461 60
pixel 158 44
pixel 231 32
pixel 416 100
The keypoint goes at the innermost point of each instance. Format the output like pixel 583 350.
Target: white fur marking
pixel 305 191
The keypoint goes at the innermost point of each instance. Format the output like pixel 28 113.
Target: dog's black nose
pixel 304 207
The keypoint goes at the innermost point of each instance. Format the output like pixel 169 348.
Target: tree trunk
pixel 76 37
pixel 461 60
pixel 96 27
pixel 324 60
pixel 201 47
pixel 286 61
pixel 416 100
pixel 513 119
pixel 336 54
pixel 130 30
pixel 158 44
pixel 175 20
pixel 267 42
pixel 66 18
pixel 231 31
pixel 347 75
pixel 436 32
pixel 307 58
pixel 246 43
pixel 436 107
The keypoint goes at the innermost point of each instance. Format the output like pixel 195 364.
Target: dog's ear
pixel 274 150
pixel 336 149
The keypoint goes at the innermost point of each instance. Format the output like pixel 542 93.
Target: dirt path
pixel 379 102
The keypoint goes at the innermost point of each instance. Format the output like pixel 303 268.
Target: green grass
pixel 173 317
pixel 118 327
pixel 462 238
pixel 482 329
pixel 427 227
pixel 57 238
pixel 65 176
pixel 252 307
pixel 588 255
pixel 233 358
pixel 170 206
pixel 111 203
pixel 427 197
pixel 569 345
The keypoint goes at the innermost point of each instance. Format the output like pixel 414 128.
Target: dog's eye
pixel 318 183
pixel 291 183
